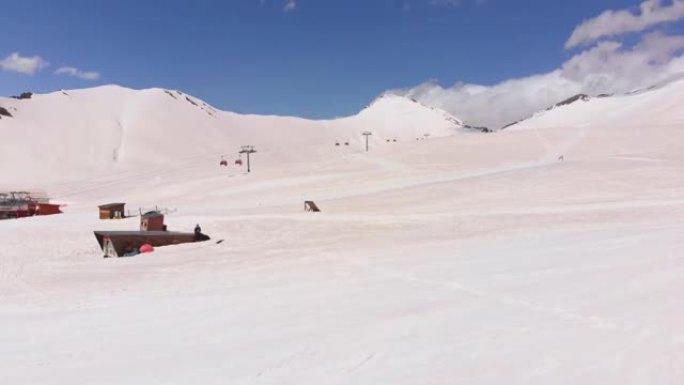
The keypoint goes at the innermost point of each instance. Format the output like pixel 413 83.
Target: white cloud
pixel 614 23
pixel 454 3
pixel 604 67
pixel 23 64
pixel 407 5
pixel 446 3
pixel 75 72
pixel 290 5
pixel 608 67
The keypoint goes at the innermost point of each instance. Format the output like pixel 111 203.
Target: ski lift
pixel 223 162
pixel 239 161
pixel 337 143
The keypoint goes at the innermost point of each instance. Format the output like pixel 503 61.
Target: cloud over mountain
pixel 28 65
pixel 75 72
pixel 606 67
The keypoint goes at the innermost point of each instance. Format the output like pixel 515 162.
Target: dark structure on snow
pixel 112 211
pixel 116 243
pixel 311 206
pixel 152 232
pixel 152 221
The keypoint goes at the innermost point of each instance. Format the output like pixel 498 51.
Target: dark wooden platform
pixel 114 243
pixel 311 206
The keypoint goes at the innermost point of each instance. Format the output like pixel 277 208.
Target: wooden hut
pixel 152 221
pixel 112 210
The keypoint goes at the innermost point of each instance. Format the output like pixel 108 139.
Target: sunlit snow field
pixel 458 259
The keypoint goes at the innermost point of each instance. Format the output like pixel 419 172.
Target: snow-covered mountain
pixel 91 130
pixel 657 105
pixel 479 259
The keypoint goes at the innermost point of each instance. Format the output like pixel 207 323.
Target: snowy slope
pixel 462 259
pixel 84 132
pixel 659 105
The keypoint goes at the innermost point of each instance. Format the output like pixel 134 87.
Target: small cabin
pixel 112 211
pixel 152 221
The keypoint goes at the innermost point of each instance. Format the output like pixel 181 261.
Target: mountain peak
pixel 119 127
pixel 388 102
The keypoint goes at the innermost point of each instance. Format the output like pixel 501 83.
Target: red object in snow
pixel 146 248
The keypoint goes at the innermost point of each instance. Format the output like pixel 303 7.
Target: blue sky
pixel 318 58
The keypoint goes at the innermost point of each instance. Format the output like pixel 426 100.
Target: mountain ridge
pixel 116 127
pixel 604 107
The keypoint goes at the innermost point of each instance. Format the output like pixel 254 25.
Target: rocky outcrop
pixel 566 102
pixel 573 99
pixel 4 112
pixel 24 95
pixel 477 128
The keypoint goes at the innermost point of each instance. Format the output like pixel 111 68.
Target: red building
pixel 43 208
pixel 152 221
pixel 20 204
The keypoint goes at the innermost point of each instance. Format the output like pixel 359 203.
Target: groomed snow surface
pixel 459 259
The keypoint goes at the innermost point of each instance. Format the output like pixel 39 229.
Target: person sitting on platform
pixel 198 234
